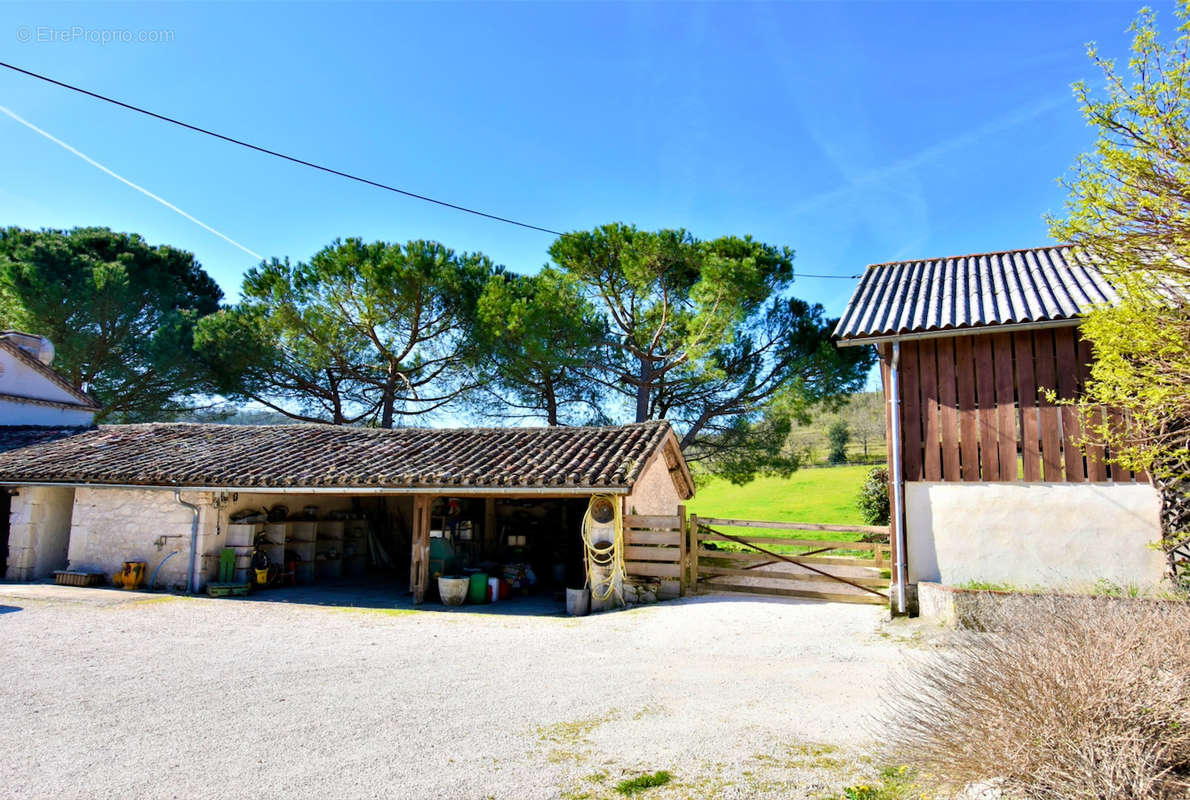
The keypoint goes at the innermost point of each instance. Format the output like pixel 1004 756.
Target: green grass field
pixel 824 495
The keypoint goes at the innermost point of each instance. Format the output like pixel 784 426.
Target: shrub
pixel 838 434
pixel 873 497
pixel 1057 698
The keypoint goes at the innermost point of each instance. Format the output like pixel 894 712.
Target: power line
pixel 313 165
pixel 267 151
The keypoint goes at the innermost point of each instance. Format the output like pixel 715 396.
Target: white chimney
pixel 39 347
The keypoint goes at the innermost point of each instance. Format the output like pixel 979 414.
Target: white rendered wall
pixel 1056 535
pixel 38 532
pixel 20 379
pixel 14 412
pixel 654 492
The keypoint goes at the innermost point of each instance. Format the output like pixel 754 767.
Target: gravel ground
pixel 106 693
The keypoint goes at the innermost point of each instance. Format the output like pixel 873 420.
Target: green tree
pixel 538 337
pixel 120 312
pixel 1129 212
pixel 838 435
pixel 702 334
pixel 360 333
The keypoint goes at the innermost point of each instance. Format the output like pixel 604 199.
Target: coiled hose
pixel 606 556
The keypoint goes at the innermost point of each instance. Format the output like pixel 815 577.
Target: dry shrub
pixel 1056 697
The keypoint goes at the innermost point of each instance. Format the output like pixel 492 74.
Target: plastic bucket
pixel 479 588
pixel 578 602
pixel 453 589
pixel 493 589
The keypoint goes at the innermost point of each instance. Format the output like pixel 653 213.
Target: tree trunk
pixel 644 389
pixel 551 403
pixel 389 400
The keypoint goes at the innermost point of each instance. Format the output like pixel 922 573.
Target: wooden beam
pixel 421 547
pixel 837 597
pixel 682 554
pixel 793 526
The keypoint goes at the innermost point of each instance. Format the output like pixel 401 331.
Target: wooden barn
pixel 990 484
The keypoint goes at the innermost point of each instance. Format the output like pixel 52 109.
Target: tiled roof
pixel 1044 284
pixel 323 456
pixel 13 437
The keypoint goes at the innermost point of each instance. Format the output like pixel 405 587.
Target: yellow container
pixel 133 574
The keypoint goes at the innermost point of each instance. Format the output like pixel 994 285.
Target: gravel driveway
pixel 109 694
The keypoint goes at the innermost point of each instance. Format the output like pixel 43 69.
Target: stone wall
pixel 111 526
pixel 38 532
pixel 1054 535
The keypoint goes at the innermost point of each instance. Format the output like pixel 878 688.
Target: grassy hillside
pixel 822 494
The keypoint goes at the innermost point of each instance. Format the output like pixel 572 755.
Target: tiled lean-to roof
pixel 13 437
pixel 1040 285
pixel 329 456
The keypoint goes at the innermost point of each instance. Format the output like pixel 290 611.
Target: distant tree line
pixel 621 325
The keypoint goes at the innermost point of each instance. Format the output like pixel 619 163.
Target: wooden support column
pixel 419 580
pixel 683 572
pixel 491 536
pixel 692 526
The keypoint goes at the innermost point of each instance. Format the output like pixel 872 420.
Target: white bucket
pixel 494 588
pixel 578 602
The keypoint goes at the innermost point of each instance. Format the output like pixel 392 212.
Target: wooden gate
pixel 761 557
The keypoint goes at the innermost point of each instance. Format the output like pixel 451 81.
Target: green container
pixel 478 592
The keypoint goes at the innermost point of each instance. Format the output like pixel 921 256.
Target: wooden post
pixel 421 547
pixel 491 537
pixel 692 527
pixel 683 575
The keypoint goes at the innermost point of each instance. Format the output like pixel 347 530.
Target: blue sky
pixel 852 132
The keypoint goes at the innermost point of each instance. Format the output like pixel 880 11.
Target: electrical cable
pixel 314 165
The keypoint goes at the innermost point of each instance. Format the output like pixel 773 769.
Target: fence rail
pixel 656 546
pixel 788 565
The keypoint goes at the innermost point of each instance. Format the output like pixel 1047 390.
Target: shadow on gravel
pixel 377 593
pixel 10 609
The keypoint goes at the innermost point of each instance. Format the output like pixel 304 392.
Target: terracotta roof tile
pixel 321 456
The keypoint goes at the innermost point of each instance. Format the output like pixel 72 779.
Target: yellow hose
pixel 610 557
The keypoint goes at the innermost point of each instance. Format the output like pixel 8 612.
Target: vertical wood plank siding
pixel 975 408
pixel 911 416
pixel 949 406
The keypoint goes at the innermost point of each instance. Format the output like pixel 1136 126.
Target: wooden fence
pixel 782 563
pixel 975 408
pixel 655 546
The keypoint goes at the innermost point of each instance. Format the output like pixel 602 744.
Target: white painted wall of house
pixel 15 412
pixel 20 379
pixel 1054 535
